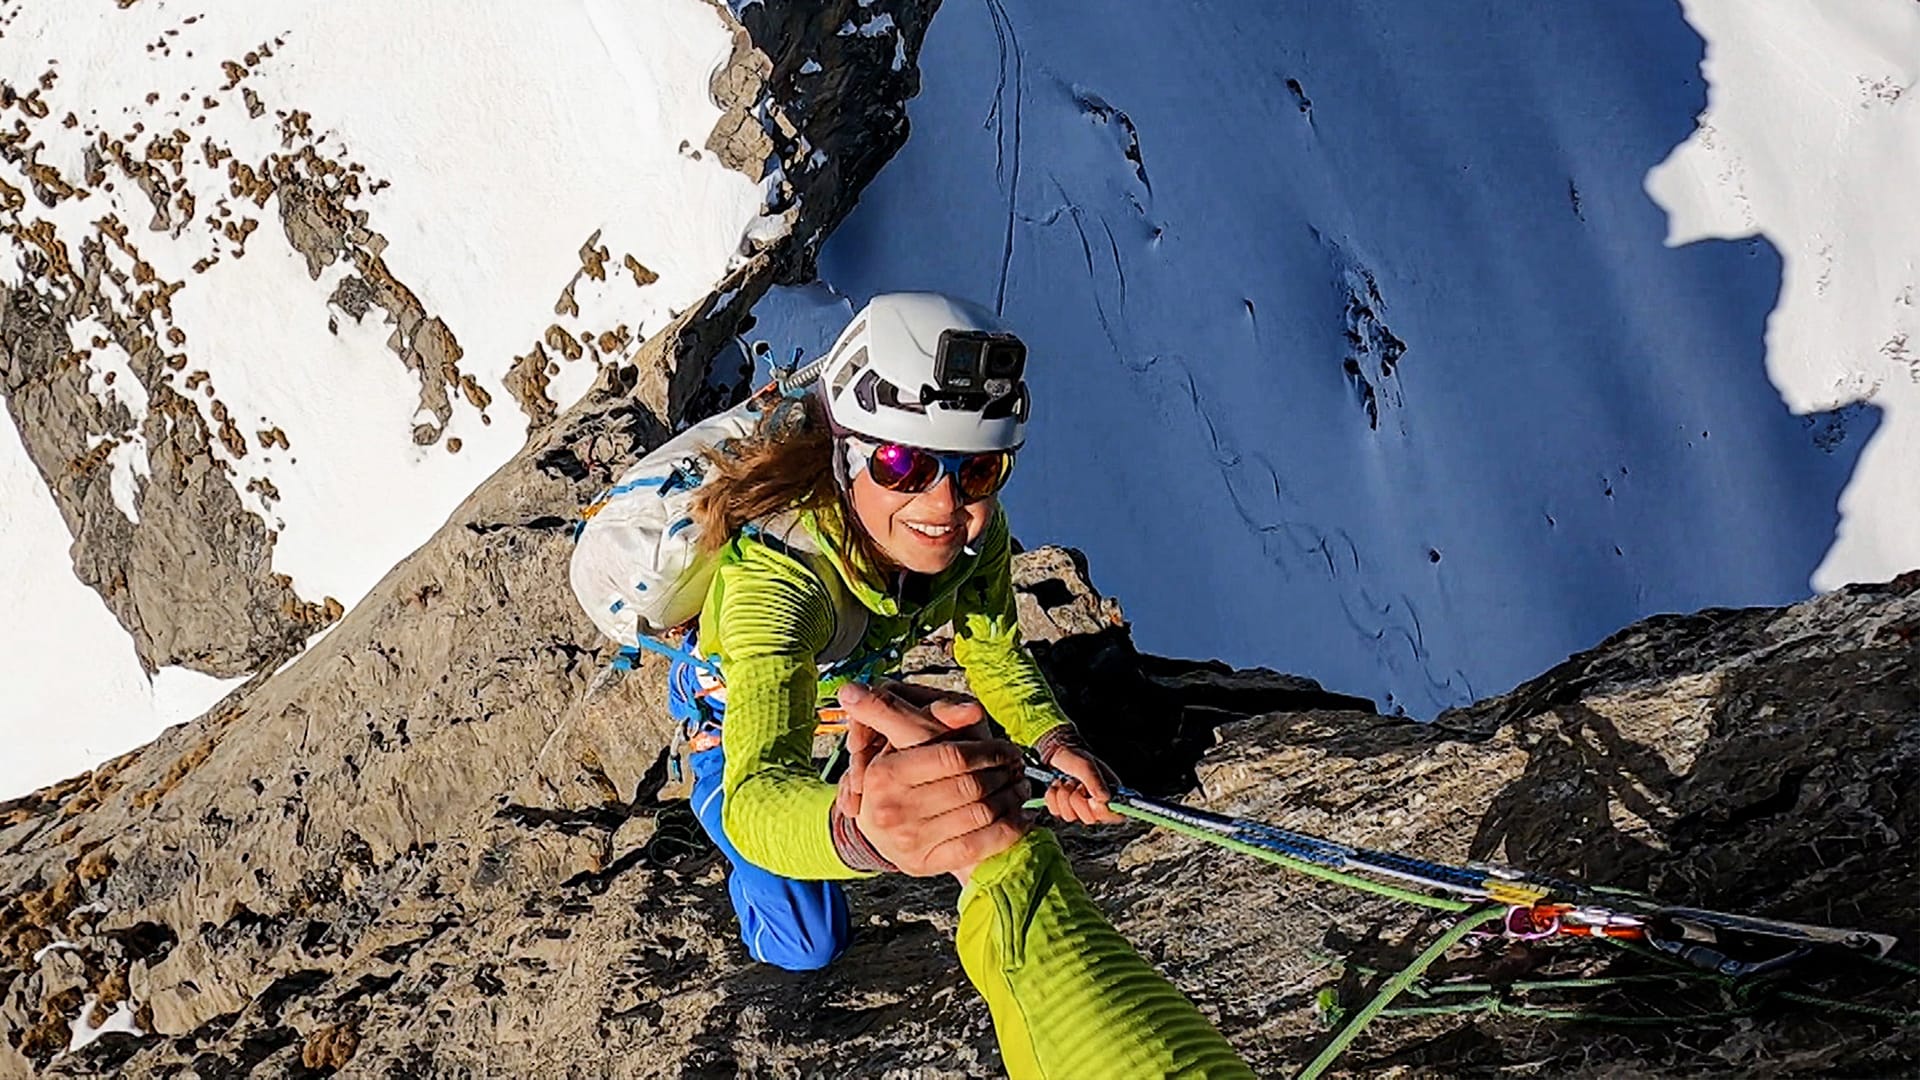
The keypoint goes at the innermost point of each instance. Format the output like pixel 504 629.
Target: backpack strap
pixel 787 534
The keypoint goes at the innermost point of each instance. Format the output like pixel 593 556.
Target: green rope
pixel 1494 1006
pixel 1598 982
pixel 1898 1016
pixel 1751 991
pixel 1493 999
pixel 1394 986
pixel 1912 970
pixel 1324 873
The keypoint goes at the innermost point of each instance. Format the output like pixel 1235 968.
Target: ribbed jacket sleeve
pixel 768 618
pixel 1069 997
pixel 986 642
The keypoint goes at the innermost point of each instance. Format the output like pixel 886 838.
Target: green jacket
pixel 1069 996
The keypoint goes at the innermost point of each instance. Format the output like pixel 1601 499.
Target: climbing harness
pixel 1526 907
pixel 698 725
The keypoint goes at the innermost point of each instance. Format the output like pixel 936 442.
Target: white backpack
pixel 636 566
pixel 637 569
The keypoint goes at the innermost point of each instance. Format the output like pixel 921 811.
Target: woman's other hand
pixel 1083 798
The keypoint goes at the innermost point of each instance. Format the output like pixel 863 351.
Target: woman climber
pixel 853 522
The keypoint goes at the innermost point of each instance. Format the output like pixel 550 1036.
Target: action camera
pixel 971 362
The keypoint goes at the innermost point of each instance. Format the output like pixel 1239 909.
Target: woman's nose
pixel 943 495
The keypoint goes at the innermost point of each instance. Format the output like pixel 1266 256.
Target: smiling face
pixel 922 533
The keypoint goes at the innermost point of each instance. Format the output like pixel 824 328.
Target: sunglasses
pixel 909 470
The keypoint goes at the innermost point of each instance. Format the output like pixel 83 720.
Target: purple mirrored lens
pixel 903 468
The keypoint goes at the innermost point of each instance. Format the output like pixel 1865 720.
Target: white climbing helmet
pixel 929 371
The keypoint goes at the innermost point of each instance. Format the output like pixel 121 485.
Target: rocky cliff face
pixel 435 847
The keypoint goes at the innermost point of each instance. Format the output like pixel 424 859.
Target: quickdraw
pixel 1538 907
pixel 1695 935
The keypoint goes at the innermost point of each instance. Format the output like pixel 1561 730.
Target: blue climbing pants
pixel 796 925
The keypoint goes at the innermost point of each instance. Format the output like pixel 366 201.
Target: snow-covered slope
pixel 1413 347
pixel 517 197
pixel 1811 139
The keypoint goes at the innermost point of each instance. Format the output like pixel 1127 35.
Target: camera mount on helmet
pixel 972 367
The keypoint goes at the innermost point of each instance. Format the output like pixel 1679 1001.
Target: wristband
pixel 853 847
pixel 1056 739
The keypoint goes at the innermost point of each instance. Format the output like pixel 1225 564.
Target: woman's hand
pixel 1082 799
pixel 931 790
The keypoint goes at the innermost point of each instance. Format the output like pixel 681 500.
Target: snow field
pixel 120 1021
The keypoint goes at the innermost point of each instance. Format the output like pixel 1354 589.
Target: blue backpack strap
pixel 630 655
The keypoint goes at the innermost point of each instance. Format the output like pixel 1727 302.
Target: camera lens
pixel 1006 359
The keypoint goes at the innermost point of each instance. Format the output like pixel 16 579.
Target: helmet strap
pixel 843 464
pixel 842 476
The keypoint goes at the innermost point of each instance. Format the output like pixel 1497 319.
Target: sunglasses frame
pixel 949 464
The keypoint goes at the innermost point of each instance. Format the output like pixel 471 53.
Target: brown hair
pixel 786 464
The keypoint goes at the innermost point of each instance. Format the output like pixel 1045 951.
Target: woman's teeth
pixel 932 532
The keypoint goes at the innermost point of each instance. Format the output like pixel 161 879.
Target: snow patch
pixel 1411 352
pixel 110 379
pixel 874 27
pixel 768 228
pixel 130 467
pixel 503 116
pixel 51 732
pixel 41 953
pixel 120 1021
pixel 803 320
pixel 572 383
